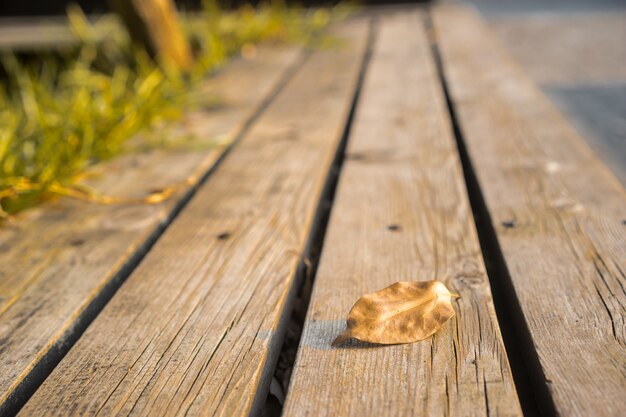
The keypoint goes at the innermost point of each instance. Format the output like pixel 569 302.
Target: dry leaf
pixel 404 312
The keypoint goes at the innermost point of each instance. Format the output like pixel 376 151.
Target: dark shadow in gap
pixel 50 359
pixel 532 387
pixel 307 269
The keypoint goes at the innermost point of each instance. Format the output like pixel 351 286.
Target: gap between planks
pixel 514 342
pixel 401 214
pixel 192 327
pixel 553 219
pixel 299 298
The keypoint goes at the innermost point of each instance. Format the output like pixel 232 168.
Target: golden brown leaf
pixel 404 312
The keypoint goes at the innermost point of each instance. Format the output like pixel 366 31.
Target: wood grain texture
pixel 57 259
pixel 401 213
pixel 190 332
pixel 558 213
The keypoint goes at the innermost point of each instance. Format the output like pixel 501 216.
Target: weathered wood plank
pixel 558 215
pixel 401 213
pixel 575 48
pixel 61 262
pixel 21 34
pixel 196 327
pixel 49 33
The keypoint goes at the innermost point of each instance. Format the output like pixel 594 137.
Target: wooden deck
pixel 413 149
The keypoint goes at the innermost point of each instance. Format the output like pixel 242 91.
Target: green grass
pixel 60 115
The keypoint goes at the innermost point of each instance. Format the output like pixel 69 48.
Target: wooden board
pixel 196 328
pixel 49 33
pixel 558 214
pixel 561 48
pixel 60 263
pixel 579 61
pixel 31 34
pixel 401 213
pixel 598 113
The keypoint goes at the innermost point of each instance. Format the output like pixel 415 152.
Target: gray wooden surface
pixel 575 51
pixel 197 327
pixel 558 215
pixel 401 214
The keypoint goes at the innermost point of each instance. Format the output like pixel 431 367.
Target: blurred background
pixel 52 7
pixel 575 50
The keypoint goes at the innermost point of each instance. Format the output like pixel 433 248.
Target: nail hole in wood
pixel 394 227
pixel 355 156
pixel 223 235
pixel 509 224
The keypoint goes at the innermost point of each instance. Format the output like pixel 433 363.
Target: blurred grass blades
pixel 61 114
